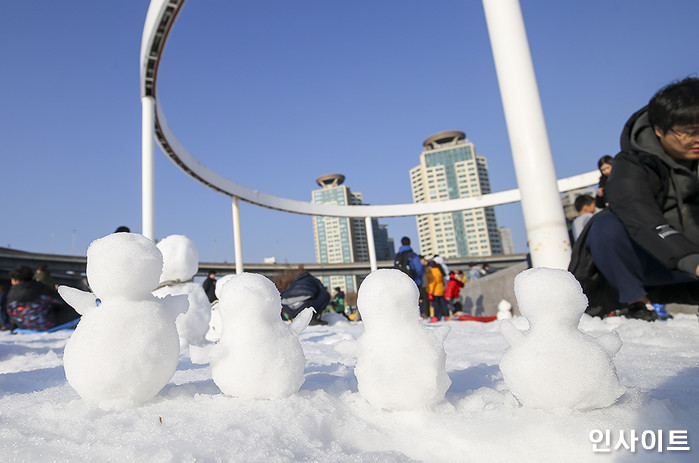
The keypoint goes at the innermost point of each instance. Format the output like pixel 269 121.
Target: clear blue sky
pixel 273 94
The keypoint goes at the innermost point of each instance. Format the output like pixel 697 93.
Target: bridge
pixel 70 270
pixel 538 189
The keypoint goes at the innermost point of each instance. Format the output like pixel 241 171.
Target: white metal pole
pixel 547 233
pixel 236 237
pixel 370 243
pixel 148 167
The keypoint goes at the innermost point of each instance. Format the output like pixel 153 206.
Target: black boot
pixel 640 311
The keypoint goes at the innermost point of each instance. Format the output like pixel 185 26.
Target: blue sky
pixel 273 94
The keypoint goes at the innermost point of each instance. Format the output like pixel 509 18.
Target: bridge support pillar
pixel 547 234
pixel 148 167
pixel 370 244
pixel 236 236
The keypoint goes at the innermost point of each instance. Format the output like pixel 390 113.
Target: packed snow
pixel 332 417
pixel 44 419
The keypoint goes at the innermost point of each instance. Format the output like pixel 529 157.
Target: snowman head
pixel 504 306
pixel 221 282
pixel 550 295
pixel 388 296
pixel 250 296
pixel 123 266
pixel 180 258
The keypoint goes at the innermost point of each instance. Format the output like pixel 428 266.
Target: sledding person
pixel 338 301
pixel 43 275
pixel 32 305
pixel 305 291
pixel 644 247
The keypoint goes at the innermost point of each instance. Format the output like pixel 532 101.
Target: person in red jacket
pixel 451 294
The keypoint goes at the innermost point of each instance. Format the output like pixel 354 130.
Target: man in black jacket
pixel 647 248
pixel 209 285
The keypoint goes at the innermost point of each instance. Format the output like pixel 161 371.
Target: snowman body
pixel 554 364
pixel 111 364
pixel 396 349
pixel 180 264
pixel 258 355
pixel 126 347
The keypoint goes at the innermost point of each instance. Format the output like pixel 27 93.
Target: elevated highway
pixel 71 269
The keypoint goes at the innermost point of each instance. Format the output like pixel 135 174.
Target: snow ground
pixel 43 420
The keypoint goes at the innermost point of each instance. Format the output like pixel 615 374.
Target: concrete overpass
pixel 70 270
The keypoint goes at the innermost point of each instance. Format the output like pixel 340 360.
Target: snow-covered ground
pixel 43 420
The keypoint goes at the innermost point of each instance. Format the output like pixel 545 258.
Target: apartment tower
pixel 450 169
pixel 343 239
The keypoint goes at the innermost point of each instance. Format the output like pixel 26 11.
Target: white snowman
pixel 555 365
pixel 126 347
pixel 400 362
pixel 180 264
pixel 258 356
pixel 504 309
pixel 215 324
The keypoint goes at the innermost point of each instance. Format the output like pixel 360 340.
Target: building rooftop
pixel 330 180
pixel 447 137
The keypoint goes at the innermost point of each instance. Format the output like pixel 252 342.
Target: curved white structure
pixel 159 21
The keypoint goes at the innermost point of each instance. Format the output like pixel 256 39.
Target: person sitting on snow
pixel 644 247
pixel 305 291
pixel 32 305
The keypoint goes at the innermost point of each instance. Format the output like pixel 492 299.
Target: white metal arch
pixel 159 21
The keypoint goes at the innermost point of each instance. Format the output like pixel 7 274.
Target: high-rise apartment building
pixel 450 169
pixel 508 244
pixel 343 239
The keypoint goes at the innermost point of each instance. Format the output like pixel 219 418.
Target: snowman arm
pixel 441 331
pixel 82 301
pixel 610 342
pixel 301 321
pixel 511 334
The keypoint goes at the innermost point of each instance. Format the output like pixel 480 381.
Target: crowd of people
pixel 439 287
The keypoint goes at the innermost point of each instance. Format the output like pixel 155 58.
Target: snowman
pixel 400 362
pixel 180 264
pixel 215 324
pixel 258 356
pixel 504 309
pixel 126 347
pixel 555 365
